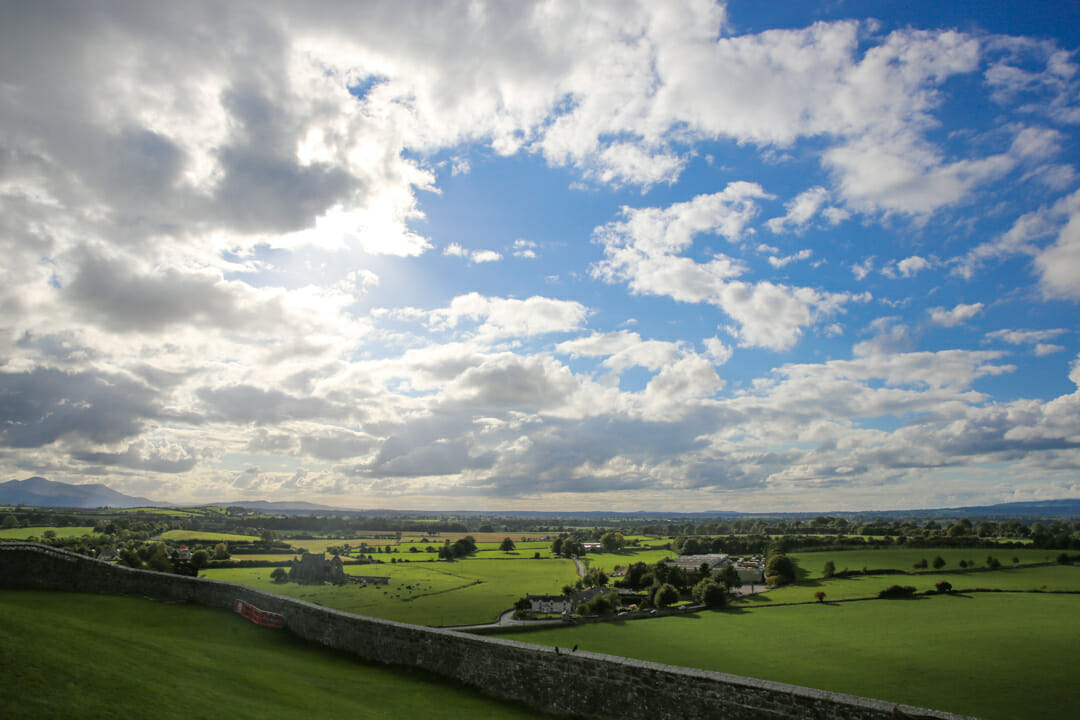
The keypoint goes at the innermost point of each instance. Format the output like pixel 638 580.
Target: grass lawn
pixel 200 536
pixel 75 656
pixel 811 563
pixel 470 591
pixel 61 532
pixel 995 656
pixel 1055 578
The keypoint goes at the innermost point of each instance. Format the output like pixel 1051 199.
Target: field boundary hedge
pixel 581 684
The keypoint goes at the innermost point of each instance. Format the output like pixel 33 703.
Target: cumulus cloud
pixel 509 317
pixel 42 406
pixel 524 249
pixel 908 267
pixel 802 210
pixel 957 316
pixel 642 249
pixel 195 223
pixel 779 262
pixel 1024 337
pixel 474 256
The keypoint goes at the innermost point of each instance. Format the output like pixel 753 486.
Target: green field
pixel 608 560
pixel 200 536
pixel 996 656
pixel 170 512
pixel 320 544
pixel 470 591
pixel 61 532
pixel 1054 578
pixel 811 563
pixel 76 657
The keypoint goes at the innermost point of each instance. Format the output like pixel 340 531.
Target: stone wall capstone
pixel 581 684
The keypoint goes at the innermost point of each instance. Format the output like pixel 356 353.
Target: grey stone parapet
pixel 581 684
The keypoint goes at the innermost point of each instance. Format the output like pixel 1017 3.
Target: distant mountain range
pixel 287 505
pixel 39 492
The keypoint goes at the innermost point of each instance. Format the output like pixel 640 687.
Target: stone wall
pixel 583 684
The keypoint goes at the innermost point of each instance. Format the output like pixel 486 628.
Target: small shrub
pixel 820 596
pixel 943 586
pixel 897 592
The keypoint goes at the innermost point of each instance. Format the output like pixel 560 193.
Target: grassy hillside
pixel 995 656
pixel 78 657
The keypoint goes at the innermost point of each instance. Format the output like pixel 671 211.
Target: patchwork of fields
pixel 1003 654
pixel 470 591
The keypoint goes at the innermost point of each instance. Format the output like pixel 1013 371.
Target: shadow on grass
pixel 758 598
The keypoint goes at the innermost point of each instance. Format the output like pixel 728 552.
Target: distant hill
pixel 287 505
pixel 39 492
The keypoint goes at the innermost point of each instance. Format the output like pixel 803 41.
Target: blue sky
pixel 670 256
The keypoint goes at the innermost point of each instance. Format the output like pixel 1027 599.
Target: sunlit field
pixel 474 590
pixel 811 564
pixel 69 657
pixel 38 532
pixel 993 655
pixel 1054 578
pixel 200 536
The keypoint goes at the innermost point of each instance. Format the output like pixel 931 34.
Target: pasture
pixel 811 563
pixel 71 656
pixel 38 532
pixel 1053 578
pixel 996 656
pixel 470 591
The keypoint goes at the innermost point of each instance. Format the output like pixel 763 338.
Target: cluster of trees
pixel 458 548
pixel 567 546
pixel 779 568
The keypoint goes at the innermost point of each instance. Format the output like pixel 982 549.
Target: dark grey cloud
pixel 336 445
pixel 140 456
pixel 249 404
pixel 112 293
pixel 40 406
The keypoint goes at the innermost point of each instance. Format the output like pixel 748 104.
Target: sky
pixel 614 256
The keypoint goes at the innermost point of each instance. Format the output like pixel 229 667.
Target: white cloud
pixel 801 210
pixel 524 249
pixel 1059 264
pixel 861 270
pixel 484 256
pixel 1025 337
pixel 903 174
pixel 779 262
pixel 957 316
pixel 1042 349
pixel 509 317
pixel 913 265
pixel 641 248
pixel 473 256
pixel 717 351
